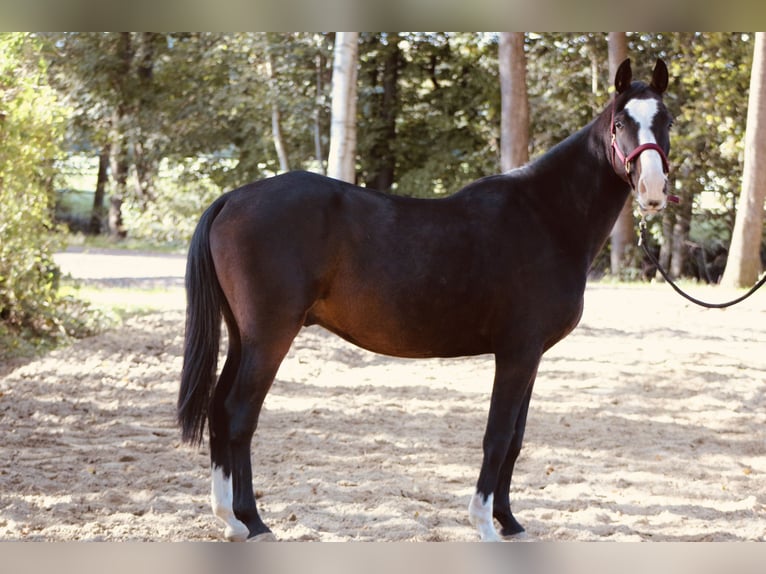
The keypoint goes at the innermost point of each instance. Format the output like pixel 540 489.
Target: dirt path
pixel 647 423
pixel 119 268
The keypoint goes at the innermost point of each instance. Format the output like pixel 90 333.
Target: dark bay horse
pixel 499 267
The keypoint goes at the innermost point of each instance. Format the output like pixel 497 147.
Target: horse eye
pixel 619 125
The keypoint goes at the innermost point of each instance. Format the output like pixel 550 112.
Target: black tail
pixel 204 302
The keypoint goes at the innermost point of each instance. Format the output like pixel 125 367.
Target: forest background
pixel 129 136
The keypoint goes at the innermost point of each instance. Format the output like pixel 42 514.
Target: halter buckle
pixel 641 230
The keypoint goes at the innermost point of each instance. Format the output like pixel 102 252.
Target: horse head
pixel 640 139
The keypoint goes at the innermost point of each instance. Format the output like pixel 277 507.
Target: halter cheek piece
pixel 627 161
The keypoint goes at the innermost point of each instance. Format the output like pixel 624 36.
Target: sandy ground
pixel 647 423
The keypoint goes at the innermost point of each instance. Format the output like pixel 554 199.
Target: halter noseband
pixel 627 161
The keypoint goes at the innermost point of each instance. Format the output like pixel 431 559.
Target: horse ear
pixel 623 77
pixel 659 77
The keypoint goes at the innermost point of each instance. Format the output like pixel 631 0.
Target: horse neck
pixel 580 188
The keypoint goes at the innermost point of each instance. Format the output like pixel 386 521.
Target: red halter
pixel 627 161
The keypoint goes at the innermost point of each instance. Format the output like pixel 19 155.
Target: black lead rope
pixel 643 243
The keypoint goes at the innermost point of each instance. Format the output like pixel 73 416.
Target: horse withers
pixel 499 267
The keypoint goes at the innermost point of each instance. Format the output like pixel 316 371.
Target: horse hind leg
pixel 237 409
pixel 221 489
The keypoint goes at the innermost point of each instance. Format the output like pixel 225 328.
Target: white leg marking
pixel 480 514
pixel 222 501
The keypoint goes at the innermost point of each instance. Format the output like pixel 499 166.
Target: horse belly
pixel 412 329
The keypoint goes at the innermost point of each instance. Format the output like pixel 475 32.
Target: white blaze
pixel 651 186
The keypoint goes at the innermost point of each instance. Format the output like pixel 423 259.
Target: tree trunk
pixel 318 105
pixel 144 157
pixel 279 139
pixel 382 160
pixel 623 230
pixel 744 263
pixel 120 166
pixel 146 170
pixel 683 221
pixel 676 222
pixel 98 214
pixel 390 105
pixel 119 136
pixel 514 112
pixel 342 159
pixel 668 223
pixel 276 116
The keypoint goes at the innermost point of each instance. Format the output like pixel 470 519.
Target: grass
pixel 129 244
pixel 120 303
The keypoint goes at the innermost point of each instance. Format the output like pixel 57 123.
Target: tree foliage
pixel 428 104
pixel 446 126
pixel 185 116
pixel 708 96
pixel 32 126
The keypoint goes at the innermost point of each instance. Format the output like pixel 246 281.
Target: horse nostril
pixel 652 203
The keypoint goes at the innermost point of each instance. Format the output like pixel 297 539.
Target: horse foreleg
pixel 502 502
pixel 510 398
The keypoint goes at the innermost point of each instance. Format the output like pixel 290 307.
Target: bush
pixel 182 193
pixel 32 123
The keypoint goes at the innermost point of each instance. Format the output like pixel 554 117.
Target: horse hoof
pixel 518 537
pixel 264 537
pixel 236 533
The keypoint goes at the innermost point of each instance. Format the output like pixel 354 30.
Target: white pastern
pixel 222 501
pixel 652 183
pixel 480 514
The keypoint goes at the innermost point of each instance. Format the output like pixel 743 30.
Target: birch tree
pixel 744 263
pixel 341 161
pixel 276 116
